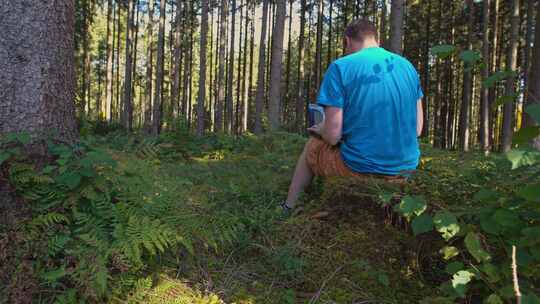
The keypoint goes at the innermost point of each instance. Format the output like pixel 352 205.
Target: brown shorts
pixel 325 160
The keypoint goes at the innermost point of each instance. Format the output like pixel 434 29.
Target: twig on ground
pixel 319 292
pixel 515 276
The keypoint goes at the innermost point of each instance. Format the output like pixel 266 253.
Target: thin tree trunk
pixel 239 92
pixel 230 72
pixel 259 98
pixel 534 77
pixel 382 34
pixel 149 66
pixel 37 102
pixel 318 44
pixel 510 86
pixel 175 93
pixel 396 24
pixel 127 113
pixel 185 87
pixel 425 65
pixel 300 84
pixel 117 90
pixel 484 102
pixel 249 89
pixel 330 46
pixel 156 119
pixel 221 67
pixel 242 124
pixel 135 53
pixel 110 58
pixel 202 72
pixel 494 64
pixel 464 114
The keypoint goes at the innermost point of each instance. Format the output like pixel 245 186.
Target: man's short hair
pixel 361 29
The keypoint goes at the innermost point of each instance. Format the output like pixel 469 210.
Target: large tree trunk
pixel 37 76
pixel 510 86
pixel 534 77
pixel 464 113
pixel 127 113
pixel 156 119
pixel 202 71
pixel 259 98
pixel 396 26
pixel 528 71
pixel 230 74
pixel 274 97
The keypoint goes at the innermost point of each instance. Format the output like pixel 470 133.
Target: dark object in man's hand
pixel 315 115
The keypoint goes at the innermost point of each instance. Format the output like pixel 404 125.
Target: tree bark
pixel 527 121
pixel 484 101
pixel 127 113
pixel 464 113
pixel 510 86
pixel 175 92
pixel 300 85
pixel 202 60
pixel 229 118
pixel 276 66
pixel 396 24
pixel 534 77
pixel 259 98
pixel 221 67
pixel 149 66
pixel 109 68
pixel 37 76
pixel 156 119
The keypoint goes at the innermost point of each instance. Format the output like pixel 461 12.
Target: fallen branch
pixel 515 276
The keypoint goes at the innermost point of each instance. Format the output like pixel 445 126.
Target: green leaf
pixel 443 51
pixel 522 158
pixel 386 198
pixel 383 279
pixel 496 77
pixel 410 206
pixel 485 195
pixel 499 101
pixel 506 218
pixel 449 252
pixel 534 111
pixel 530 192
pixel 24 138
pixel 447 224
pixel 491 271
pixel 530 299
pixel 489 225
pixel 473 245
pixel 454 267
pixel 493 299
pixel 460 280
pixel 422 224
pixel 69 179
pixel 54 275
pixel 526 135
pixel 4 156
pixel 470 56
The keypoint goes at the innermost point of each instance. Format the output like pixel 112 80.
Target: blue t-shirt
pixel 378 92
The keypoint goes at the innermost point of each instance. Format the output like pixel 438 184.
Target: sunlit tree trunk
pixel 175 92
pixel 109 67
pixel 484 102
pixel 300 84
pixel 156 117
pixel 259 98
pixel 229 101
pixel 464 113
pixel 274 95
pixel 221 67
pixel 202 76
pixel 528 71
pixel 510 86
pixel 396 26
pixel 127 112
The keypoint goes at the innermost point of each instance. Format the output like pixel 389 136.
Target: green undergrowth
pixel 180 219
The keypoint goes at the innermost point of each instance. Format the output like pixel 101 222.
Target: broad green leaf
pixel 386 198
pixel 54 275
pixel 447 224
pixel 485 195
pixel 506 218
pixel 473 245
pixel 522 158
pixel 421 224
pixel 526 135
pixel 443 51
pixel 4 156
pixel 535 252
pixel 534 111
pixel 499 101
pixel 69 179
pixel 411 205
pixel 493 299
pixel 460 280
pixel 530 299
pixel 454 267
pixel 470 56
pixel 24 138
pixel 449 252
pixel 530 192
pixel 491 271
pixel 496 77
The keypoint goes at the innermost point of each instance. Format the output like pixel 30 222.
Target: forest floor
pixel 342 248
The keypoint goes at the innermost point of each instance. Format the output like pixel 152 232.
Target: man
pixel 372 103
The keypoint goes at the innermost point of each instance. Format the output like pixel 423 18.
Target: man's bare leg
pixel 301 178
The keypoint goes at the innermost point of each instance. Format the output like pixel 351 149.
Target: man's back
pixel 378 92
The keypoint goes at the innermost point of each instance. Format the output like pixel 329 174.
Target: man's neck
pixel 369 44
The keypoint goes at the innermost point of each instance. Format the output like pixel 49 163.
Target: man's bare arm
pixel 333 123
pixel 419 117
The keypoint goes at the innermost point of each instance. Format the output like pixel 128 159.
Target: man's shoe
pixel 285 211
